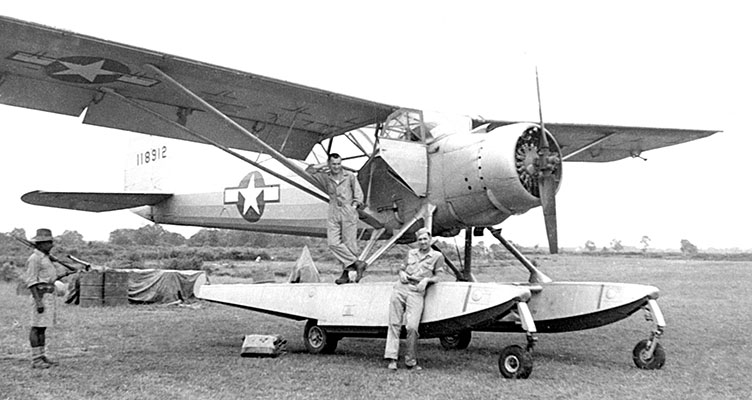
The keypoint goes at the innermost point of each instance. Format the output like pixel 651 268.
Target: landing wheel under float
pixel 649 354
pixel 645 359
pixel 317 340
pixel 458 341
pixel 515 362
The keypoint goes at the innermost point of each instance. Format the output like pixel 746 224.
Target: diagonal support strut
pixel 212 142
pixel 425 212
pixel 235 126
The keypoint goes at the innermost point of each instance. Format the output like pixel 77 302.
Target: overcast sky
pixel 644 63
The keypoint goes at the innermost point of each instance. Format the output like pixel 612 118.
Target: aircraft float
pixel 414 172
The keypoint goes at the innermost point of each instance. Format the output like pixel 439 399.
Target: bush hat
pixel 43 235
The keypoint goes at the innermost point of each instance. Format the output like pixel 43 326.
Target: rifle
pixel 71 270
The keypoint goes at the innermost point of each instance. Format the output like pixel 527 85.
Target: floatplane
pixel 415 172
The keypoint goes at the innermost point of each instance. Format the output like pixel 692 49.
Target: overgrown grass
pixel 170 352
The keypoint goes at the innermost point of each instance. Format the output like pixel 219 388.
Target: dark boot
pixel 344 278
pixel 37 358
pixel 360 267
pixel 50 361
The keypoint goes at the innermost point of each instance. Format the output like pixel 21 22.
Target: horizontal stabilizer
pixel 96 202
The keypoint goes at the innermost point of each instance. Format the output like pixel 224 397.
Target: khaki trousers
pixel 341 233
pixel 407 304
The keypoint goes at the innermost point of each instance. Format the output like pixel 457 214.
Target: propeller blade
pixel 547 186
pixel 546 180
pixel 543 138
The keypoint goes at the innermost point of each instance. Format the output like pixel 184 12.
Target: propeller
pixel 547 162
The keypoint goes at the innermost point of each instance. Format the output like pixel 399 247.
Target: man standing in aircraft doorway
pixel 345 197
pixel 424 266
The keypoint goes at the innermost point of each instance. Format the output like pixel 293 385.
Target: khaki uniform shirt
pixel 40 269
pixel 341 192
pixel 422 265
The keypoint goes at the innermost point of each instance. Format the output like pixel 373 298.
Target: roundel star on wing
pixel 79 69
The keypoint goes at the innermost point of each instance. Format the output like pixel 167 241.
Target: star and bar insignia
pixel 84 69
pixel 251 196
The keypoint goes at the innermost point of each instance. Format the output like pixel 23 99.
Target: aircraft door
pixel 409 161
pixel 402 145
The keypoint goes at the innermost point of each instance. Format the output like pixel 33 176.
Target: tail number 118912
pixel 151 155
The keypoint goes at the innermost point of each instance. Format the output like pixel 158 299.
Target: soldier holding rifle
pixel 41 275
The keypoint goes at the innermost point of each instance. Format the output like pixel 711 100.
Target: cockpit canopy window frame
pixel 406 124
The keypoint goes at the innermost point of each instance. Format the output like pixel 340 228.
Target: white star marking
pixel 251 194
pixel 90 72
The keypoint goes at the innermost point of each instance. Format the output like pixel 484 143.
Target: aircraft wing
pixel 603 143
pixel 95 202
pixel 58 71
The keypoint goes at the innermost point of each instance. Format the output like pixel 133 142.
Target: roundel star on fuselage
pixel 251 196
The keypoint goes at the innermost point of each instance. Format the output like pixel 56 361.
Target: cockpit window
pixel 407 125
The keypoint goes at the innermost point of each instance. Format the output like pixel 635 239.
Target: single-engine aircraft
pixel 414 172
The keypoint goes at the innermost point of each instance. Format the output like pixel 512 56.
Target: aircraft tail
pixel 147 168
pixel 155 164
pixel 148 163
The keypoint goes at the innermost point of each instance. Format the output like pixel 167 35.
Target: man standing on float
pixel 345 198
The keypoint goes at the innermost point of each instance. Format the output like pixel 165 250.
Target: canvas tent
pixel 304 269
pixel 163 286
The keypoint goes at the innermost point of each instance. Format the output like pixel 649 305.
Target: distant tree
pixel 480 251
pixel 121 237
pixel 70 239
pixel 616 245
pixel 9 245
pixel 18 232
pixel 497 251
pixel 262 240
pixel 590 245
pixel 688 248
pixel 205 237
pixel 172 239
pixel 645 243
pixel 239 238
pixel 149 235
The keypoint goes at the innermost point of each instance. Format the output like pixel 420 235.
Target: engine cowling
pixel 486 177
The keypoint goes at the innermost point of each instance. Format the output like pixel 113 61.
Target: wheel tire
pixel 458 341
pixel 317 340
pixel 654 362
pixel 515 363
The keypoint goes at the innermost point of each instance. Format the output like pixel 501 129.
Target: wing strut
pixel 425 212
pixel 213 143
pixel 234 125
pixel 375 235
pixel 587 146
pixel 355 143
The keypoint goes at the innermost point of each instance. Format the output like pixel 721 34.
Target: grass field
pixel 172 352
